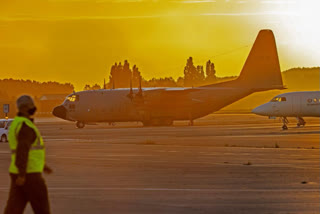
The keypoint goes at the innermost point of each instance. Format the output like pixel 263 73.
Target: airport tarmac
pixel 226 163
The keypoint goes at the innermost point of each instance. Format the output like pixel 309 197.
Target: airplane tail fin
pixel 261 70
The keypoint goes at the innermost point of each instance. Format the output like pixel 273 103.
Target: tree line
pixel 10 89
pixel 124 76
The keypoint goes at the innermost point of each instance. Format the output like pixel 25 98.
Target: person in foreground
pixel 27 162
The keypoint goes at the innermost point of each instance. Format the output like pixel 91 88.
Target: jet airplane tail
pixel 262 69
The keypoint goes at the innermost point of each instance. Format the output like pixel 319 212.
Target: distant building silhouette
pixel 10 89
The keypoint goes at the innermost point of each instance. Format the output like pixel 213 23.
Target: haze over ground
pixel 77 41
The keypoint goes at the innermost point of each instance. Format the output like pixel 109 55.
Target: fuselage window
pixel 283 99
pixel 275 99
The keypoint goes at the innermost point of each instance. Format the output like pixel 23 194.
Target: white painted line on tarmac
pixel 83 158
pixel 66 139
pixel 176 189
pixel 5 152
pixel 267 135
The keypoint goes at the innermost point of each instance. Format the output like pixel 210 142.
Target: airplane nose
pixel 60 111
pixel 258 110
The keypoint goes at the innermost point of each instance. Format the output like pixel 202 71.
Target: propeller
pixel 140 88
pixel 138 95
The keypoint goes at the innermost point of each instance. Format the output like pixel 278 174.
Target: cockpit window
pixel 73 98
pixel 279 99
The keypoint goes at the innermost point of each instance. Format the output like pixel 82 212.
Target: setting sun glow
pixel 78 41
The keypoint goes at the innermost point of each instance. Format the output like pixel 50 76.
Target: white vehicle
pixel 4 128
pixel 294 104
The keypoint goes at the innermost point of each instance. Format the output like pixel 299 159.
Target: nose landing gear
pixel 285 122
pixel 80 124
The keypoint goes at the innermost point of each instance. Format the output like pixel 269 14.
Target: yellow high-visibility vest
pixel 36 156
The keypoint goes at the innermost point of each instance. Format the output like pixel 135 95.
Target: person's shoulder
pixel 26 134
pixel 26 130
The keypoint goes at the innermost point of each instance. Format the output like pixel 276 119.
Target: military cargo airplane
pixel 162 106
pixel 294 104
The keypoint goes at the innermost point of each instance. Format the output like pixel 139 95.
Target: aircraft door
pixel 296 105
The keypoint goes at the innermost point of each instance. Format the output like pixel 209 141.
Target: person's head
pixel 26 105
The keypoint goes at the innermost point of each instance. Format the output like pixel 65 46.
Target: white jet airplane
pixel 293 104
pixel 161 106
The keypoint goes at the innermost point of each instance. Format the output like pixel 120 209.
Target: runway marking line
pixel 176 189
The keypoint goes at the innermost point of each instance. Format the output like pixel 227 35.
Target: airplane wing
pixel 168 94
pixel 160 97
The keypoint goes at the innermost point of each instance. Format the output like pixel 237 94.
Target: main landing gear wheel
pixel 285 122
pixel 80 125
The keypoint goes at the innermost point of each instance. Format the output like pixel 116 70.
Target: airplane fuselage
pixel 117 106
pixel 294 104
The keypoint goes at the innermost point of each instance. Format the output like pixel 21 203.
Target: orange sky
pixel 77 41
